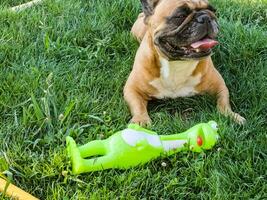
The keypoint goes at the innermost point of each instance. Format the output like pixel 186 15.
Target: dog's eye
pixel 182 16
pixel 177 19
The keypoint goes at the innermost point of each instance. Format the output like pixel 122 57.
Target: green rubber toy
pixel 136 145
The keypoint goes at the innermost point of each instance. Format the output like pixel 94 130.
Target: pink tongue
pixel 204 44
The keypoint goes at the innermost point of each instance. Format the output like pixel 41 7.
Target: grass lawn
pixel 62 69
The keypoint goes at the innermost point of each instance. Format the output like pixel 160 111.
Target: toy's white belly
pixel 133 137
pixel 173 144
pixel 176 79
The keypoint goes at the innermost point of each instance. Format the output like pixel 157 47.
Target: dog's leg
pixel 139 28
pixel 138 106
pixel 224 107
pixel 213 83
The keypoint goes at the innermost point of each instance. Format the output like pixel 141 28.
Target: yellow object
pixel 14 192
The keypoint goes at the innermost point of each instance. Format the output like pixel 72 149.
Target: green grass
pixel 62 69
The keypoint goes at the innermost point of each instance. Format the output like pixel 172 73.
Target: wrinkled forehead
pixel 166 7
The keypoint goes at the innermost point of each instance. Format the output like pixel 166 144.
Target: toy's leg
pixel 93 148
pixel 93 164
pixel 74 154
pixel 80 165
pixel 71 145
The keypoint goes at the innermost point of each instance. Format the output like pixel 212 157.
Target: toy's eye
pixel 199 141
pixel 214 126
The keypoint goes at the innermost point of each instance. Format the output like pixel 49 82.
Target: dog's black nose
pixel 203 19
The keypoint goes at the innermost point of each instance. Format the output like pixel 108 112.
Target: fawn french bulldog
pixel 173 60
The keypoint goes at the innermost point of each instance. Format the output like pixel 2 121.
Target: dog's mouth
pixel 198 49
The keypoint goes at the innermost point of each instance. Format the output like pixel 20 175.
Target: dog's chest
pixel 176 79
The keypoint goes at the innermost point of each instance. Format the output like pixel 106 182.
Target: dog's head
pixel 181 29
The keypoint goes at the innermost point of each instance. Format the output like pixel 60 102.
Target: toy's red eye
pixel 199 141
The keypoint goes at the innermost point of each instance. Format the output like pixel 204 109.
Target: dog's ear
pixel 148 7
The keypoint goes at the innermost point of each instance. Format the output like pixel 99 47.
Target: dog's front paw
pixel 238 118
pixel 142 120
